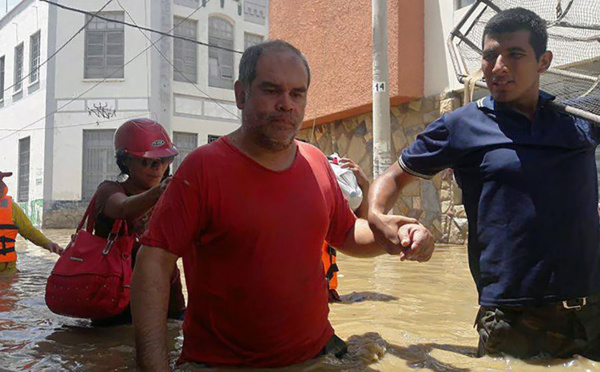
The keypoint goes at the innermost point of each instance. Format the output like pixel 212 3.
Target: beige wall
pixel 335 36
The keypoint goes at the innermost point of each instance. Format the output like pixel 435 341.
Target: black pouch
pixel 589 316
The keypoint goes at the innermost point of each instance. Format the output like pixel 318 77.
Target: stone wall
pixel 437 202
pixel 63 214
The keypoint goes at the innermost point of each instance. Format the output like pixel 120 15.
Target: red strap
pixel 86 216
pixel 117 227
pixel 91 219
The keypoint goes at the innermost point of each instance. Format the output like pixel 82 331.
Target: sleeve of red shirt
pixel 176 221
pixel 343 219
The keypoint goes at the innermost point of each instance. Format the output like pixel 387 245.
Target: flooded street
pixel 394 315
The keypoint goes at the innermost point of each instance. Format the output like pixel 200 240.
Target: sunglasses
pixel 148 163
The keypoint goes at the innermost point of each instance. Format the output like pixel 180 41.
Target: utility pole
pixel 382 157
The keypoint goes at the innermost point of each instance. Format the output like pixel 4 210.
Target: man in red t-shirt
pixel 248 214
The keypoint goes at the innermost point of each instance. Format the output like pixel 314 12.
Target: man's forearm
pixel 383 194
pixel 149 302
pixel 386 188
pixel 360 241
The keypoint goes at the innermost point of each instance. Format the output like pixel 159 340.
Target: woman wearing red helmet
pixel 144 153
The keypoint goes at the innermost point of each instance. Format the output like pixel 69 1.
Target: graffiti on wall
pixel 101 110
pixel 34 211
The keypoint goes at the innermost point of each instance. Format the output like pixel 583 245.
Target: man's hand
pixel 55 248
pixel 417 241
pixel 403 236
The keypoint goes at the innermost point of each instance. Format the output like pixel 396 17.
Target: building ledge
pixel 363 109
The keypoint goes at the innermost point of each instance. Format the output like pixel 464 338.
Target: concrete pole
pixel 382 157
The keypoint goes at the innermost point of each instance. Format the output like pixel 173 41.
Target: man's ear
pixel 545 61
pixel 240 94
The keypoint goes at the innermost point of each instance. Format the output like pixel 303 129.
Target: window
pixel 18 68
pixel 34 57
pixel 220 61
pixel 251 39
pixel 104 47
pixel 99 162
pixel 464 3
pixel 185 52
pixel 23 187
pixel 185 143
pixel 212 138
pixel 1 78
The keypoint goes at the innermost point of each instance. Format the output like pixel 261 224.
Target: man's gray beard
pixel 268 144
pixel 261 138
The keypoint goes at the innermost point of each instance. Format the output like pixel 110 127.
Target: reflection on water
pixel 394 315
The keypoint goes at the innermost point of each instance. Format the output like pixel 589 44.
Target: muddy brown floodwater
pixel 395 316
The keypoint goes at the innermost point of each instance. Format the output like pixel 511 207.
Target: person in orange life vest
pixel 248 214
pixel 144 152
pixel 356 201
pixel 12 221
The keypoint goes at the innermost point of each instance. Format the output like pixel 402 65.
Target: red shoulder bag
pixel 91 279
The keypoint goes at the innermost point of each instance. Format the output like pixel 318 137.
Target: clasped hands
pixel 403 236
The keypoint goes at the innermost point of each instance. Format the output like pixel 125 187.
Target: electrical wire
pixel 79 124
pixel 141 27
pixel 58 50
pixel 176 69
pixel 106 78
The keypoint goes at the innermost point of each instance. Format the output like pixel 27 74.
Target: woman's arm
pixel 29 232
pixel 118 205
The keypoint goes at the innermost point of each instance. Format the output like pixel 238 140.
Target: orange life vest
pixel 329 263
pixel 8 231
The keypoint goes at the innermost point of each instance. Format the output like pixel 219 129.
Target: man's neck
pixel 275 160
pixel 527 105
pixel 526 109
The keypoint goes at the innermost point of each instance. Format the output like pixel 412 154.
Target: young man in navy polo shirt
pixel 528 176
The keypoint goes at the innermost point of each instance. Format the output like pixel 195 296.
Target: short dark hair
pixel 247 72
pixel 121 157
pixel 519 19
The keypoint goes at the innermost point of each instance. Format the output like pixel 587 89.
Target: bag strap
pixel 114 233
pixel 92 216
pixel 117 227
pixel 122 222
pixel 86 216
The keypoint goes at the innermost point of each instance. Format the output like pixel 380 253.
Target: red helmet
pixel 144 138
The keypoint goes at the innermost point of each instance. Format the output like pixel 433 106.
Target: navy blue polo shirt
pixel 530 193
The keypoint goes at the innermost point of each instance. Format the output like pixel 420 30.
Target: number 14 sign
pixel 378 86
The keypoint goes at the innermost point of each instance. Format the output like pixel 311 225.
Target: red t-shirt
pixel 251 243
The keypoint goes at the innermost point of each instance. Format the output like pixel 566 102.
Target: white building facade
pixel 63 99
